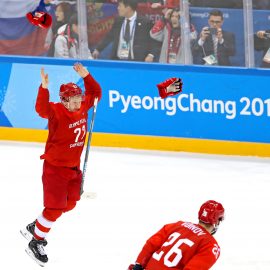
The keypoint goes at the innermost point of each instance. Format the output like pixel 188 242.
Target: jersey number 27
pixel 79 132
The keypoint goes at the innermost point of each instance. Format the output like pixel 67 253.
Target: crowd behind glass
pixel 198 32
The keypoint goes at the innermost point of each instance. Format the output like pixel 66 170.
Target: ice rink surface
pixel 137 193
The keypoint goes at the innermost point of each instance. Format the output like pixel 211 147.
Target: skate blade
pixel 32 256
pixel 26 234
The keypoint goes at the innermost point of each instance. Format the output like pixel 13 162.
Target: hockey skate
pixel 36 251
pixel 28 231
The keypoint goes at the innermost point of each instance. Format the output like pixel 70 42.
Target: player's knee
pixel 70 205
pixel 52 214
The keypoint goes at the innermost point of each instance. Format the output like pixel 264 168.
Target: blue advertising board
pixel 231 104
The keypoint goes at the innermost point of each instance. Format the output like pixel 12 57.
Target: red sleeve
pixel 158 26
pixel 205 258
pixel 92 90
pixel 152 245
pixel 42 102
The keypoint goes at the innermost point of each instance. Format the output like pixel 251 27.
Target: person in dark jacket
pixel 130 36
pixel 214 45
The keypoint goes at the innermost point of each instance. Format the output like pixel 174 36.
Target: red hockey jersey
pixel 181 246
pixel 67 130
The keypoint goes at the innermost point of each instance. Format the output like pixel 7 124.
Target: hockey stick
pixel 90 195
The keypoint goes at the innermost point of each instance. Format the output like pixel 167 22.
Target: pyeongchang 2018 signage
pixel 189 103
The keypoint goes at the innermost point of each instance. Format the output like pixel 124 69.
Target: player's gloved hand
pixel 170 87
pixel 136 266
pixel 39 18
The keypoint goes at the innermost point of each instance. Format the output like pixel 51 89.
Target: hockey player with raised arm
pixel 184 245
pixel 62 177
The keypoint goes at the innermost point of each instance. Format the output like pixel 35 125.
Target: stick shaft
pixel 88 143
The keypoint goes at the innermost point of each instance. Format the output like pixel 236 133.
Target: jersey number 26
pixel 174 255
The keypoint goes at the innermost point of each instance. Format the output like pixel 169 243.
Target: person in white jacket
pixel 63 12
pixel 168 31
pixel 66 42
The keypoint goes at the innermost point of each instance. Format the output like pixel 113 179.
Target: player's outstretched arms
pixel 81 70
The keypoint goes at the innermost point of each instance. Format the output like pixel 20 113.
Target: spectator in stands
pixel 66 42
pixel 168 31
pixel 214 45
pixel 262 43
pixel 63 13
pixel 130 36
pixel 217 3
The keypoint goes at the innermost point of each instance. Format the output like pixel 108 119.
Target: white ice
pixel 137 193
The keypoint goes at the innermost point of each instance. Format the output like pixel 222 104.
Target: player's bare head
pixel 71 96
pixel 211 213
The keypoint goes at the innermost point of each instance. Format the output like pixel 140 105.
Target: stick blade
pixel 89 195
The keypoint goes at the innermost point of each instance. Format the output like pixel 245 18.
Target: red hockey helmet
pixel 211 212
pixel 69 90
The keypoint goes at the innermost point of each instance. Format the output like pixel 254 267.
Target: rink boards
pixel 221 110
